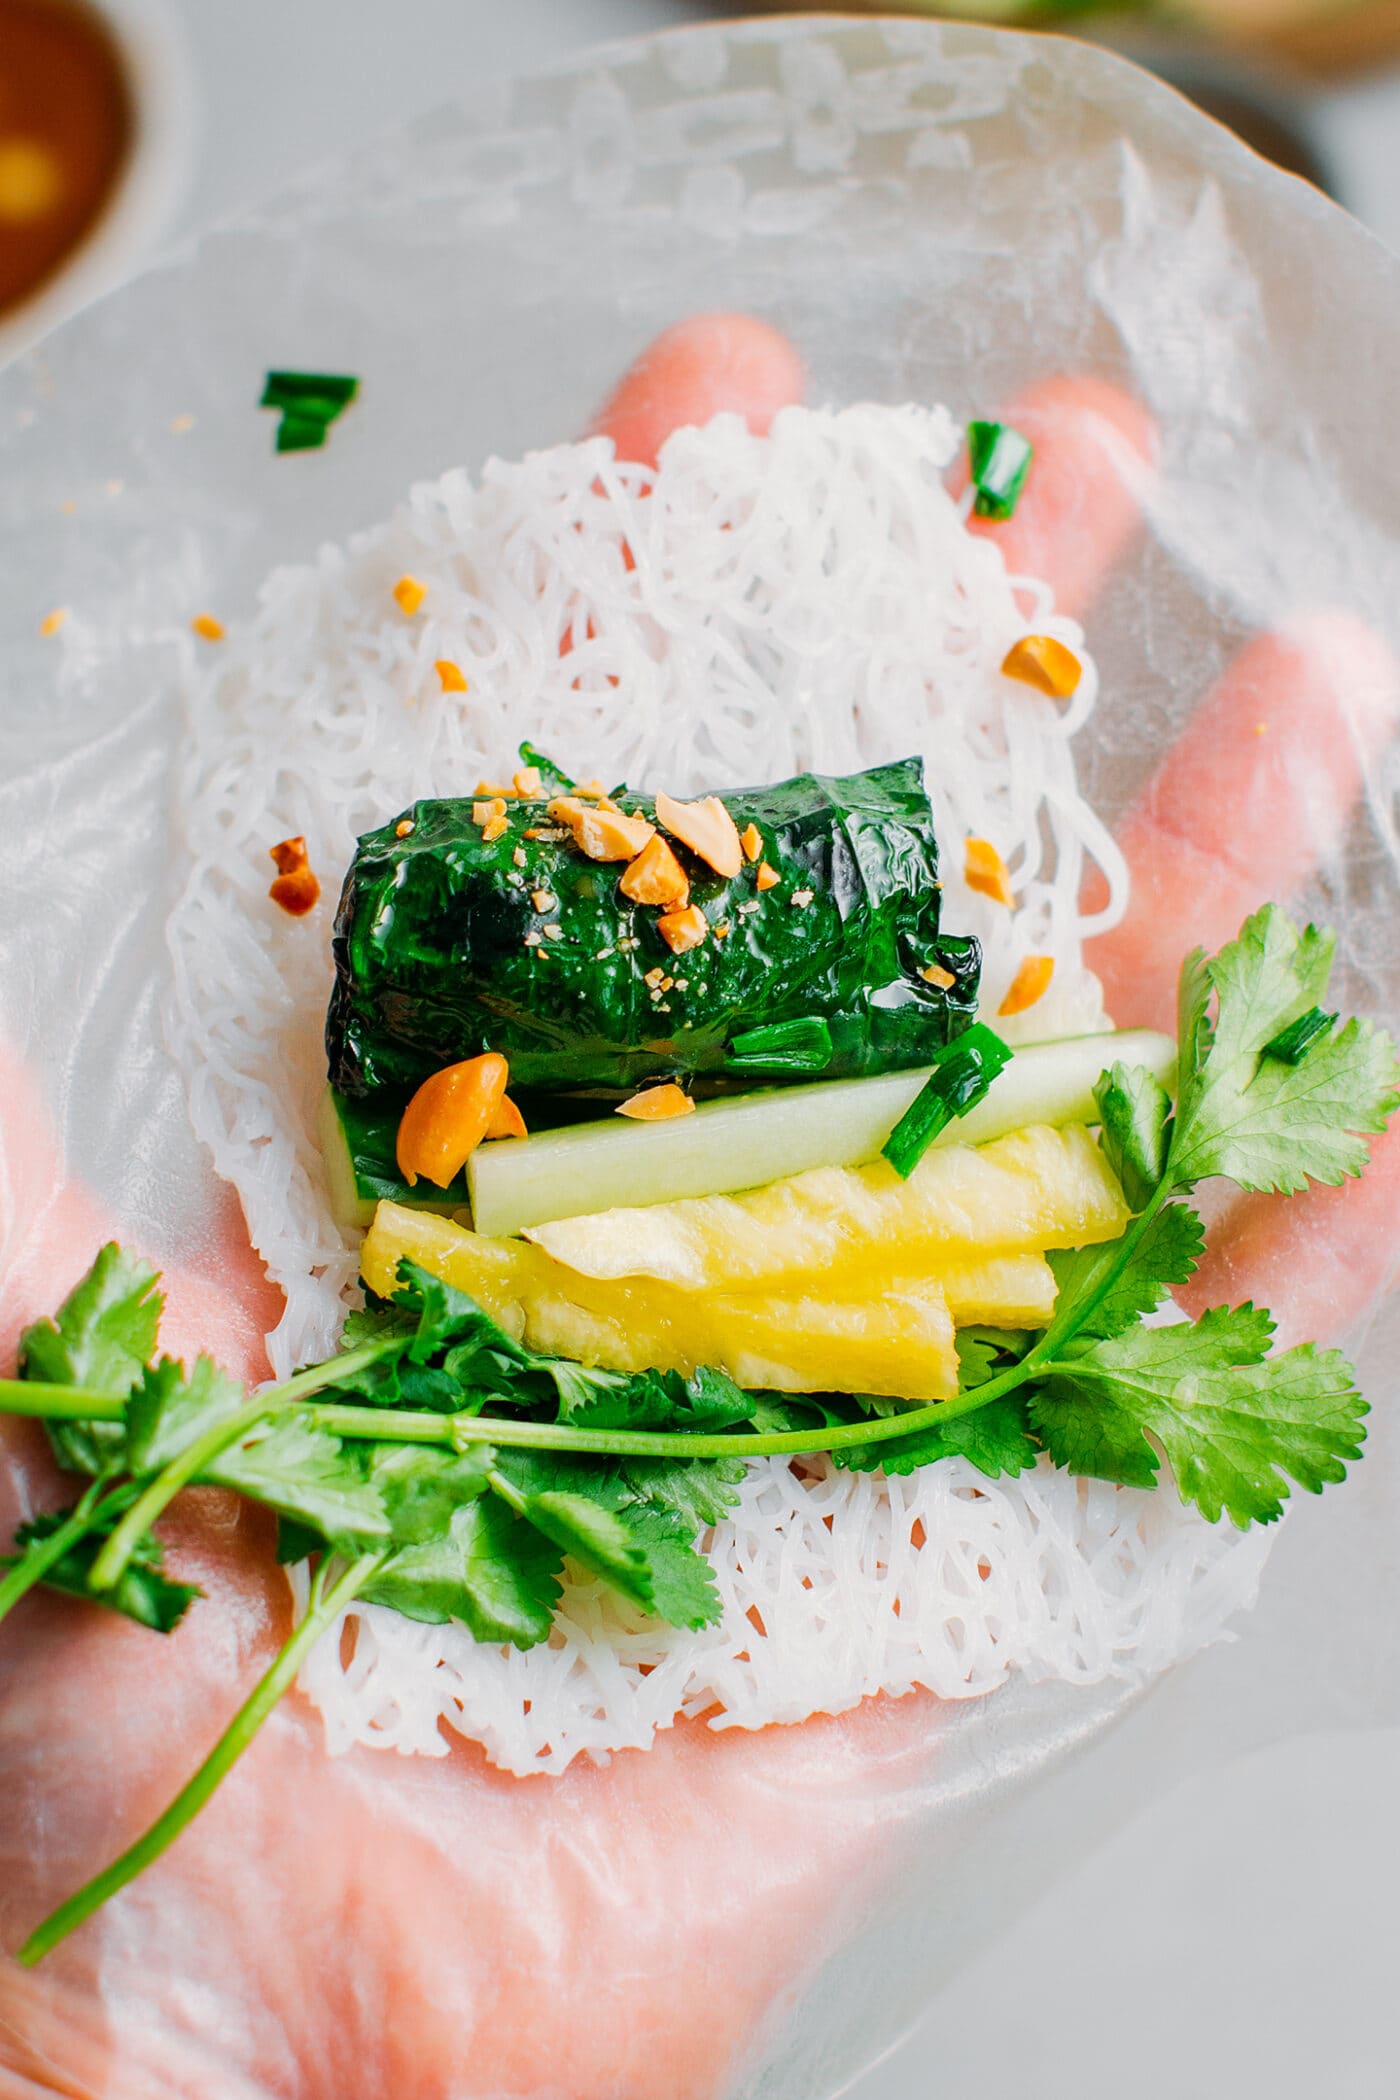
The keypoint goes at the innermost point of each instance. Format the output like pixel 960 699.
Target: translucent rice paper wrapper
pixel 932 213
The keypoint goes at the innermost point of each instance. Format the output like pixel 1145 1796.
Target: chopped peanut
pixel 404 828
pixel 294 887
pixel 752 842
pixel 449 674
pixel 601 834
pixel 543 900
pixel 706 827
pixel 767 876
pixel 494 828
pixel 51 622
pixel 507 1122
pixel 802 898
pixel 410 594
pixel 590 790
pixel 657 1104
pixel 1031 981
pixel 527 783
pixel 1041 661
pixel 656 876
pixel 682 930
pixel 934 973
pixel 987 872
pixel 448 1117
pixel 493 788
pixel 207 627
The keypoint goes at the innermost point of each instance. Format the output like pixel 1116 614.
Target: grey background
pixel 1241 1935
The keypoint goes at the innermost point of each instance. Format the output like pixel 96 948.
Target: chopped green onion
pixel 309 404
pixel 301 433
pixel 802 1045
pixel 963 1070
pixel 1000 459
pixel 329 392
pixel 1292 1044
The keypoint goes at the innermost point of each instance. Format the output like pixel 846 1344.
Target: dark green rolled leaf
pixel 432 962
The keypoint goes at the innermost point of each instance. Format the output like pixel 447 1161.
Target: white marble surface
pixel 1241 1938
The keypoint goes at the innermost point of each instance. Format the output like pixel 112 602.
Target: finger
pixel 1255 795
pixel 1318 1260
pixel 1094 465
pixel 697 369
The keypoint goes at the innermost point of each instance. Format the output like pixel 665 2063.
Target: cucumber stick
pixel 740 1143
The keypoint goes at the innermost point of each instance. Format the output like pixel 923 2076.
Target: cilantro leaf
pixel 1232 1419
pixel 144 1591
pixel 496 1573
pixel 1260 1121
pixel 1134 1112
pixel 995 1438
pixel 172 1406
pixel 101 1336
pixel 1167 1253
pixel 700 1491
pixel 302 1472
pixel 590 1511
pixel 421 1486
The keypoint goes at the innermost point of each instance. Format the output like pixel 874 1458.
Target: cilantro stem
pixel 80 1403
pixel 111 1562
pixel 325 1604
pixel 37 1558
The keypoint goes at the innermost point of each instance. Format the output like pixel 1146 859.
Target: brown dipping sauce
pixel 66 124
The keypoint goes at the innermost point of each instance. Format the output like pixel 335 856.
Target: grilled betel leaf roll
pixel 455 935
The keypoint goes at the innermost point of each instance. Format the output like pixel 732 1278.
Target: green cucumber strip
pixel 751 1139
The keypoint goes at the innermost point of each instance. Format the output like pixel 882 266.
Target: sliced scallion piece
pixel 309 403
pixel 999 459
pixel 800 1045
pixel 1292 1044
pixel 962 1073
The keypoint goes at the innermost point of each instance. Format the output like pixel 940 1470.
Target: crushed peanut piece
pixel 494 828
pixel 655 876
pixel 450 676
pixel 723 930
pixel 404 828
pixel 590 790
pixel 1041 661
pixel 51 622
pixel 751 839
pixel 682 931
pixel 603 955
pixel 543 900
pixel 207 627
pixel 934 973
pixel 706 827
pixel 519 854
pixel 554 931
pixel 801 898
pixel 294 887
pixel 1030 983
pixel 653 978
pixel 656 1104
pixel 409 594
pixel 986 872
pixel 601 834
pixel 532 939
pixel 527 783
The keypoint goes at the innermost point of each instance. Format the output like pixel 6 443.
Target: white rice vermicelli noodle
pixel 750 608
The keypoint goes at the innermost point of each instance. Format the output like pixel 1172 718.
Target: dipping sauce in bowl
pixel 67 125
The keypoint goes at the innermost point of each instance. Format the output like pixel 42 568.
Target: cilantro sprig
pixel 439 1467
